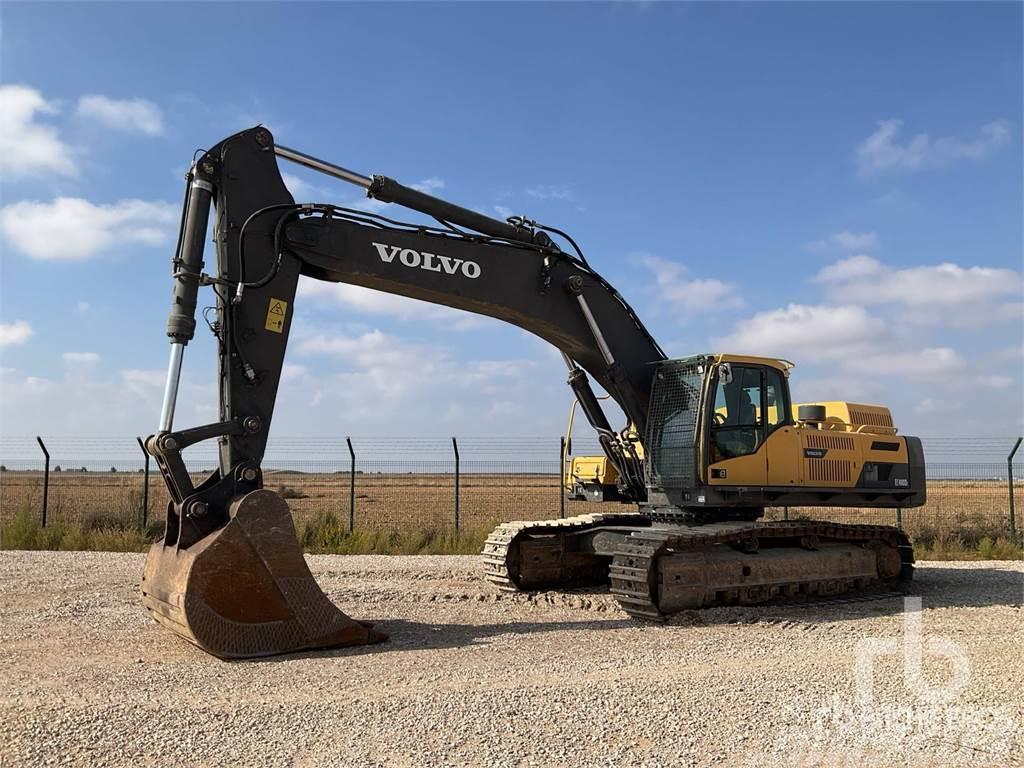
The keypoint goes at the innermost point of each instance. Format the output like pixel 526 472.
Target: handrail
pixel 855 429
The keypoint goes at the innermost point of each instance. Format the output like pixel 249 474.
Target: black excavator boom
pixel 228 573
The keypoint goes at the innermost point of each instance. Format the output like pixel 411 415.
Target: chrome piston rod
pixel 171 387
pixel 323 166
pixel 188 266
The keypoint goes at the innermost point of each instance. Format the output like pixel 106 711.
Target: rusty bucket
pixel 245 590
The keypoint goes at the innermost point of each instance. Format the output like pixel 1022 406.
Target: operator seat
pixel 738 435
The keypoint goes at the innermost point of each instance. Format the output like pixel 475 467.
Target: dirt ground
pixel 474 677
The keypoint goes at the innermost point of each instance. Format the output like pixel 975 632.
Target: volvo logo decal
pixel 431 262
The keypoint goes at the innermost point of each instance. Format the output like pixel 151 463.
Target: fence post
pixel 561 476
pixel 46 478
pixel 785 513
pixel 899 517
pixel 455 447
pixel 145 484
pixel 1009 482
pixel 351 487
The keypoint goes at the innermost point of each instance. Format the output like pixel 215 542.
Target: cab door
pixel 736 454
pixel 782 445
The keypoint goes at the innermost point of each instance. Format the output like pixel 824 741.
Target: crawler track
pixel 635 577
pixel 500 554
pixel 635 570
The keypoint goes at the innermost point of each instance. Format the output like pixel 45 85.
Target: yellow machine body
pixel 791 456
pixel 854 417
pixel 851 450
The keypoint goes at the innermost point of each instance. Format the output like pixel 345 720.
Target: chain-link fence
pixel 467 484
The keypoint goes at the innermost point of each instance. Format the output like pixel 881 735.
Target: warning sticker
pixel 276 313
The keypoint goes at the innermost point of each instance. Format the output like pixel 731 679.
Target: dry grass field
pixel 382 501
pixel 968 510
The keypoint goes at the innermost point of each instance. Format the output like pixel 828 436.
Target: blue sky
pixel 839 184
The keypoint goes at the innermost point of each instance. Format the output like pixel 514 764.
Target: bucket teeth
pixel 245 590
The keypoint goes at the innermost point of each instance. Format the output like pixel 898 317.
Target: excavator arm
pixel 511 270
pixel 265 241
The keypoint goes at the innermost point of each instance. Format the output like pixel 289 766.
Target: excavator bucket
pixel 245 589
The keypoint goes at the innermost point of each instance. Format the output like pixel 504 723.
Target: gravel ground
pixel 475 677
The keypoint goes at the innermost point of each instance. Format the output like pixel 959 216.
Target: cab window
pixel 737 427
pixel 776 399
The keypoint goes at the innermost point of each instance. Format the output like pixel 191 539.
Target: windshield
pixel 672 424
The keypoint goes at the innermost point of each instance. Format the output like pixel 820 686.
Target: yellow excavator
pixel 593 478
pixel 711 440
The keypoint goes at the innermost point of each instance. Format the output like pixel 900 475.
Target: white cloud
pixel 145 386
pixel 850 268
pixel 150 378
pixel 80 357
pixel 802 332
pixel 851 340
pixel 1016 352
pixel 924 364
pixel 17 332
pixel 291 372
pixel 380 366
pixel 423 387
pixel 995 381
pixel 356 383
pixel 847 241
pixel 882 151
pixel 368 204
pixel 1011 310
pixel 27 146
pixel 89 399
pixel 429 186
pixel 305 190
pixel 673 288
pixel 301 189
pixel 546 192
pixel 373 302
pixel 83 307
pixel 503 212
pixel 946 292
pixel 373 349
pixel 858 389
pixel 932 406
pixel 73 229
pixel 128 115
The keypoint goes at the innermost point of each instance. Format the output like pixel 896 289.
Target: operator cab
pixel 741 399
